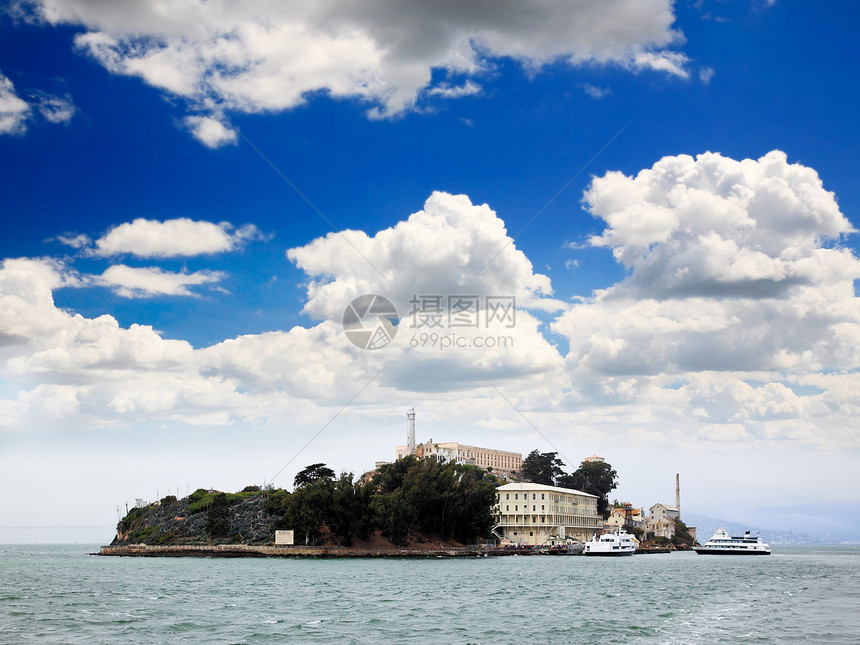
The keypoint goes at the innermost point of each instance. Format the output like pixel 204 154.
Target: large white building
pixel 536 514
pixel 501 462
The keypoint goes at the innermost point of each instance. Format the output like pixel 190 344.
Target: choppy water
pixel 59 594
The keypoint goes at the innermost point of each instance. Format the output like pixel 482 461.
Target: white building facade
pixel 661 522
pixel 664 512
pixel 534 514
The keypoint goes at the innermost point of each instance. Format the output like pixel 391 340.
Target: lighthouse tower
pixel 410 432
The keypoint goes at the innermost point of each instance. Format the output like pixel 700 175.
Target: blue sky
pixel 189 202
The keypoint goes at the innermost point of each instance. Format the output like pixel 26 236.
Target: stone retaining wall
pixel 246 550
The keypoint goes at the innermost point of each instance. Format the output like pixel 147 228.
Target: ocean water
pixel 60 594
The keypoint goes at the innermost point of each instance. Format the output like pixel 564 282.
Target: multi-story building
pixel 664 512
pixel 618 516
pixel 661 527
pixel 502 462
pixel 661 522
pixel 536 514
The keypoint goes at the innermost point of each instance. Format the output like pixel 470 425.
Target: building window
pixel 516 507
pixel 541 495
pixel 507 495
pixel 531 532
pixel 507 508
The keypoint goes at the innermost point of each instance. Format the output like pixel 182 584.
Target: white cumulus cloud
pixel 14 111
pixel 450 248
pixel 266 55
pixel 173 238
pixel 722 351
pixel 210 131
pixel 142 282
pixel 735 267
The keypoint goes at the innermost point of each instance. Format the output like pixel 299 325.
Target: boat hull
pixel 604 554
pixel 702 551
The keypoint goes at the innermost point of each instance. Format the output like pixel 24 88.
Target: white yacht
pixel 721 543
pixel 609 544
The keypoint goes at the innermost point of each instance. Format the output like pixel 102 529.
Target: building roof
pixel 668 507
pixel 529 486
pixel 633 511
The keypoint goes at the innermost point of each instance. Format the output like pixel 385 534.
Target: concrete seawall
pixel 252 551
pixel 269 551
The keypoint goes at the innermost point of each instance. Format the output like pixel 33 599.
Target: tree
pixel 312 473
pixel 218 516
pixel 595 478
pixel 450 500
pixel 308 508
pixel 349 510
pixel 542 467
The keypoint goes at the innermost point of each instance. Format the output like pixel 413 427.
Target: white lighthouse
pixel 410 432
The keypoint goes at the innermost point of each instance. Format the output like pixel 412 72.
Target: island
pixel 413 507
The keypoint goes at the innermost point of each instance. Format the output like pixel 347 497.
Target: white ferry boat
pixel 611 544
pixel 721 543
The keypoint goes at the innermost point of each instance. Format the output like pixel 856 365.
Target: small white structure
pixel 284 538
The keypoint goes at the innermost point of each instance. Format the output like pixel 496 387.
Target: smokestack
pixel 410 431
pixel 678 493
